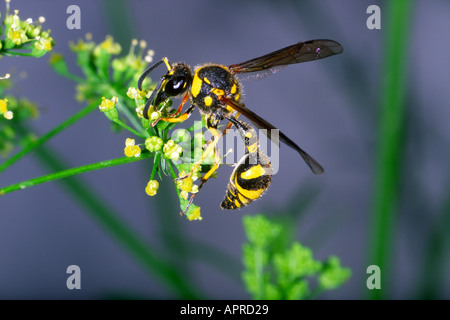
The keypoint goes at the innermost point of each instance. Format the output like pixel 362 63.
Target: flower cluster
pixel 13 111
pixel 24 37
pixel 104 68
pixel 20 38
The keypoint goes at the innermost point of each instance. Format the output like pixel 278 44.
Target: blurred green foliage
pixel 275 269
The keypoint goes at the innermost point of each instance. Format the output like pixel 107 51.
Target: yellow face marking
pixel 196 85
pixel 208 101
pixel 206 80
pixel 252 148
pixel 250 194
pixel 218 92
pixel 253 172
pixel 238 96
pixel 233 89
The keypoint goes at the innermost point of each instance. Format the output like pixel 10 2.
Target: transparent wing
pixel 262 67
pixel 263 124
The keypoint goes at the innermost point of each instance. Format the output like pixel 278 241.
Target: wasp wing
pixel 273 62
pixel 263 124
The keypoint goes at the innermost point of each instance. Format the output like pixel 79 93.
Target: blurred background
pixel 333 108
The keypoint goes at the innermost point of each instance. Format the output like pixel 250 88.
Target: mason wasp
pixel 217 92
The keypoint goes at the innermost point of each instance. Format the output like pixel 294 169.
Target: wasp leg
pixel 224 132
pixel 208 150
pixel 181 118
pixel 204 178
pixel 211 147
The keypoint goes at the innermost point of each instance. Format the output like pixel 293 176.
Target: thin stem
pixel 110 221
pixel 123 125
pixel 128 114
pixel 259 271
pixel 391 132
pixel 155 165
pixel 173 175
pixel 71 172
pixel 31 146
pixel 17 53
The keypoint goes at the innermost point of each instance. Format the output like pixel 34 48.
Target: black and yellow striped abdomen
pixel 253 173
pixel 248 182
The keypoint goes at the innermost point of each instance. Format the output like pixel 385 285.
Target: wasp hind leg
pixel 210 148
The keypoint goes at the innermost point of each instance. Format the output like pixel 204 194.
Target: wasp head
pixel 173 84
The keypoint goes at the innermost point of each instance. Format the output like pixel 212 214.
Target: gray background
pixel 328 107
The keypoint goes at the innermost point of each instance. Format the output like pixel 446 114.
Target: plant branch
pixel 31 146
pixel 391 131
pixel 73 171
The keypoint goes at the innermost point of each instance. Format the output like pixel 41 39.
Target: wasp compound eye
pixel 175 85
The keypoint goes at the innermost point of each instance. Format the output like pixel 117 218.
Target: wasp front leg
pixel 181 118
pixel 171 117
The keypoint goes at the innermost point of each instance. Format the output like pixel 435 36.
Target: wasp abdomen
pixel 248 181
pixel 253 173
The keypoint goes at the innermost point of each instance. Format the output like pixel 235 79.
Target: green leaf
pixel 260 231
pixel 333 275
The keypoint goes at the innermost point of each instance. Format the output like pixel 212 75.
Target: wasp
pixel 216 90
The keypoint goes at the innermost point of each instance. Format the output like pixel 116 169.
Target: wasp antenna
pixel 150 69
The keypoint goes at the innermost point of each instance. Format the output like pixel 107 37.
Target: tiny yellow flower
pixel 4 109
pixel 44 44
pixel 155 115
pixel 186 185
pixel 195 215
pixel 108 104
pixel 17 36
pixel 131 150
pixel 110 46
pixel 172 150
pixel 152 187
pixel 153 144
pixel 184 195
pixel 134 93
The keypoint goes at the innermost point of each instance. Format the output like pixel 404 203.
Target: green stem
pixel 108 219
pixel 126 111
pixel 155 165
pixel 16 53
pixel 259 272
pixel 123 125
pixel 391 128
pixel 32 146
pixel 173 175
pixel 71 172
